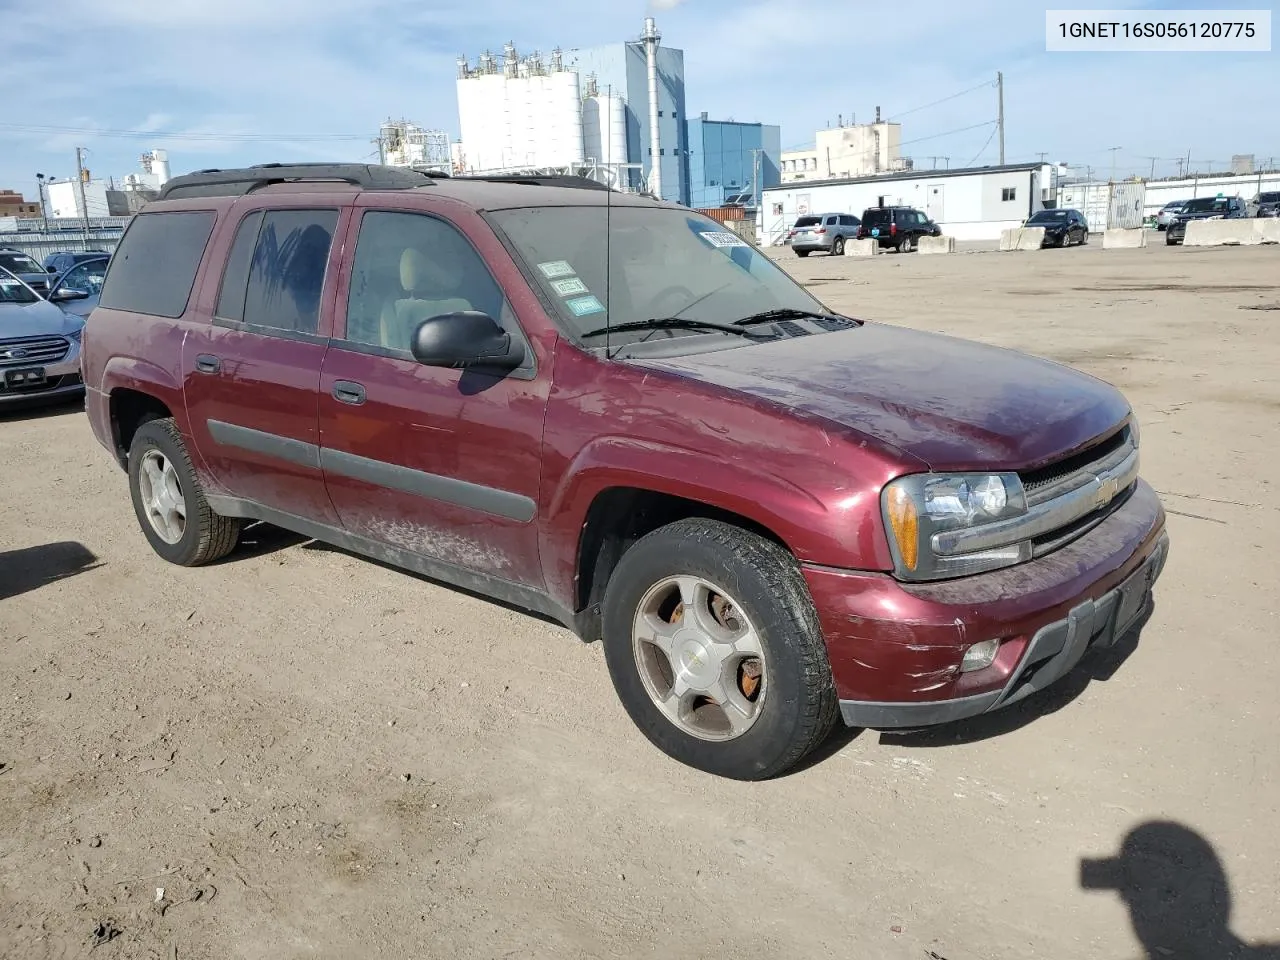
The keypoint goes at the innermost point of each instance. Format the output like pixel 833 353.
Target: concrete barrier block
pixel 941 244
pixel 1218 233
pixel 1267 230
pixel 1117 239
pixel 1022 238
pixel 861 248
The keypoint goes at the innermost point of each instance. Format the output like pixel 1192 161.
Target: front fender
pixel 814 530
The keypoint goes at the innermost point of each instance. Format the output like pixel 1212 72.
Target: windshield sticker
pixel 569 286
pixel 556 268
pixel 722 238
pixel 6 282
pixel 584 306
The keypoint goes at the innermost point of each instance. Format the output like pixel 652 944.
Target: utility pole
pixel 1042 156
pixel 84 204
pixel 1113 162
pixel 1179 168
pixel 44 207
pixel 1000 116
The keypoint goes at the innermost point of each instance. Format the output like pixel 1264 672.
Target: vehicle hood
pixel 1201 214
pixel 35 319
pixel 1049 224
pixel 952 404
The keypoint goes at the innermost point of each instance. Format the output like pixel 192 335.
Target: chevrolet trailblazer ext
pixel 609 410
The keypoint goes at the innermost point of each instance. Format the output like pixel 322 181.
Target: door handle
pixel 349 392
pixel 207 363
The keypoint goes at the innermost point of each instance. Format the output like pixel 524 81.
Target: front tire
pixel 169 502
pixel 837 248
pixel 714 648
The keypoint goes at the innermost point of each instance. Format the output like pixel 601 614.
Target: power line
pixel 985 83
pixel 984 146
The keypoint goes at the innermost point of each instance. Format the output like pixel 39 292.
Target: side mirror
pixel 63 294
pixel 467 338
pixel 51 269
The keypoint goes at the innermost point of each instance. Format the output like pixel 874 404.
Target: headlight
pixel 917 507
pixel 1134 432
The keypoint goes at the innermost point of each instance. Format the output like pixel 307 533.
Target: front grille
pixel 39 286
pixel 33 351
pixel 1100 456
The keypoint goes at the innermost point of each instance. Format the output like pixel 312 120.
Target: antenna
pixel 608 263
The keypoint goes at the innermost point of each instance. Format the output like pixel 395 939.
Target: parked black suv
pixel 898 227
pixel 1203 208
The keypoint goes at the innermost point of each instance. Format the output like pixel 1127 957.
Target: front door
pixel 252 375
pixel 934 202
pixel 441 463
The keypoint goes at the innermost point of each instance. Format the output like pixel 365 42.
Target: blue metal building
pixel 621 69
pixel 725 158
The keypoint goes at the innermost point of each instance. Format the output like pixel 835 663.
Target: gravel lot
pixel 316 756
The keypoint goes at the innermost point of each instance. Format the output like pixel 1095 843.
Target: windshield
pixel 1204 204
pixel 1269 198
pixel 19 262
pixel 665 263
pixel 1048 216
pixel 13 290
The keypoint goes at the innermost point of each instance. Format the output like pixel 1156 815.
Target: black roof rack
pixel 239 181
pixel 535 180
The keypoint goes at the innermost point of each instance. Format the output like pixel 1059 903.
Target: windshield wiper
pixel 783 313
pixel 670 323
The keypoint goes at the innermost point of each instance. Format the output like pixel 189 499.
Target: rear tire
pixel 802 253
pixel 169 501
pixel 762 596
pixel 837 248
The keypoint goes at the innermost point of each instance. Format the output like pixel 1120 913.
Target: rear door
pixel 252 375
pixel 804 229
pixel 440 463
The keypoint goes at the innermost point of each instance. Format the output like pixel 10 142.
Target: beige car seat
pixel 432 285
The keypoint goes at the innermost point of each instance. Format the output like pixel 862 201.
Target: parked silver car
pixel 1168 212
pixel 828 232
pixel 39 345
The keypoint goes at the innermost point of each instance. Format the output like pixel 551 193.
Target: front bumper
pixel 61 380
pixel 895 649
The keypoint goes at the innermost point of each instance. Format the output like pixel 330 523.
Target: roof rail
pixel 537 180
pixel 236 182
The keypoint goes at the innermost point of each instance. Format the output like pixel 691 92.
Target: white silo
pixel 565 115
pixel 604 129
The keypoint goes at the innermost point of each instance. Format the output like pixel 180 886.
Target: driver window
pixel 409 267
pixel 87 277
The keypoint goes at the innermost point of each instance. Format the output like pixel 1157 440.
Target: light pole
pixel 1113 150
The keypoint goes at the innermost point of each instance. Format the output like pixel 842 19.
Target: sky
pixel 228 82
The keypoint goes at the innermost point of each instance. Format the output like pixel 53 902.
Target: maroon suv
pixel 612 411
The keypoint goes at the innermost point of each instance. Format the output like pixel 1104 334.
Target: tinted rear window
pixel 808 221
pixel 154 268
pixel 877 215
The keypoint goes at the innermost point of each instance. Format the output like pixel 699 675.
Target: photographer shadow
pixel 1177 894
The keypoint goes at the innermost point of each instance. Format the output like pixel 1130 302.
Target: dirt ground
pixel 315 756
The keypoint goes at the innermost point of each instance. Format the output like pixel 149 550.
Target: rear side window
pixel 154 268
pixel 286 275
pixel 846 220
pixel 235 280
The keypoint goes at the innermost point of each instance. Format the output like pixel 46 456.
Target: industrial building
pixel 857 150
pixel 727 159
pixel 72 199
pixel 598 112
pixel 970 204
pixel 14 204
pixel 405 144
